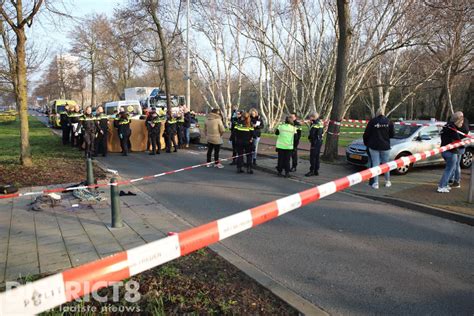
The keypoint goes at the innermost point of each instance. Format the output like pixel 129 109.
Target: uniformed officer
pixel 154 129
pixel 170 133
pixel 102 135
pixel 65 127
pixel 180 130
pixel 316 140
pixel 284 145
pixel 244 137
pixel 74 122
pixel 122 123
pixel 90 126
pixel 296 142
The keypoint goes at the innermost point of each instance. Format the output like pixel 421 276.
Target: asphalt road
pixel 346 254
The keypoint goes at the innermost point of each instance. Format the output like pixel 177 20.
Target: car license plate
pixel 357 157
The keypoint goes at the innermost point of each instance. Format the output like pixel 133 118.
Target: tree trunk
pixel 92 83
pixel 344 41
pixel 21 98
pixel 164 54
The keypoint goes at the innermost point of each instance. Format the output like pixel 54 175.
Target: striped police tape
pixel 123 182
pixel 60 288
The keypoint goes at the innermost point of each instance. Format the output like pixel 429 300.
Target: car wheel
pixel 403 170
pixel 466 159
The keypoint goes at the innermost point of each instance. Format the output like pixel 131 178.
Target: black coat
pixel 257 129
pixel 378 132
pixel 449 135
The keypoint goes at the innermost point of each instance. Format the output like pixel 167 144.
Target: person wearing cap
pixel 90 126
pixel 170 133
pixel 316 141
pixel 296 142
pixel 122 123
pixel 103 132
pixel 180 129
pixel 65 126
pixel 154 128
pixel 285 145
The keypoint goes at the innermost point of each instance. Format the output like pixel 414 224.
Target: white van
pixel 111 108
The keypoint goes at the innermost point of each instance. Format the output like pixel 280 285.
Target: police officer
pixel 170 133
pixel 103 132
pixel 234 120
pixel 154 128
pixel 284 145
pixel 74 122
pixel 316 140
pixel 244 137
pixel 65 127
pixel 90 126
pixel 122 123
pixel 296 142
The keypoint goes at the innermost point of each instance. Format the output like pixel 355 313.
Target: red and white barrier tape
pixel 46 293
pixel 123 182
pixel 355 121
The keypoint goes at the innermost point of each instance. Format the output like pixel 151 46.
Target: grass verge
pixel 53 163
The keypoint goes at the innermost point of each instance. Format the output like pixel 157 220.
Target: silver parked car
pixel 409 140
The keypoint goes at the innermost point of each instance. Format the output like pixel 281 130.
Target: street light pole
pixel 188 62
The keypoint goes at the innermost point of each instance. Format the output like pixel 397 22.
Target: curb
pixel 413 206
pixel 431 210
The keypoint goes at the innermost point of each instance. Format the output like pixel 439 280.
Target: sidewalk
pixel 64 236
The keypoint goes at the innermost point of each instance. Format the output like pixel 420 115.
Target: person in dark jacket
pixel 257 124
pixel 376 137
pixel 180 129
pixel 65 127
pixel 75 127
pixel 244 137
pixel 170 133
pixel 455 181
pixel 103 132
pixel 316 141
pixel 90 126
pixel 122 123
pixel 187 126
pixel 154 129
pixel 234 120
pixel 296 142
pixel 449 135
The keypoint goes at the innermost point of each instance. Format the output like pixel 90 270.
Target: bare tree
pixel 18 17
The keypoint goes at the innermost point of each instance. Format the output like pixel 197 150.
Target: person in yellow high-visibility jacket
pixel 284 145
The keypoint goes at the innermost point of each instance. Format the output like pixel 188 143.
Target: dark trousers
pixel 314 157
pixel 244 149
pixel 154 139
pixel 284 156
pixel 170 139
pixel 66 134
pixel 89 139
pixel 101 144
pixel 181 136
pixel 234 151
pixel 294 157
pixel 213 147
pixel 125 143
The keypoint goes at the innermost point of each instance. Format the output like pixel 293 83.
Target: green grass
pixel 44 145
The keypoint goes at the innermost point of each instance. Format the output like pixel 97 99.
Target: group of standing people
pixel 83 129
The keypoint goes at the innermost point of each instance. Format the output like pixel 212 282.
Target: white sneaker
pixel 219 165
pixel 443 190
pixel 388 184
pixel 209 165
pixel 375 186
